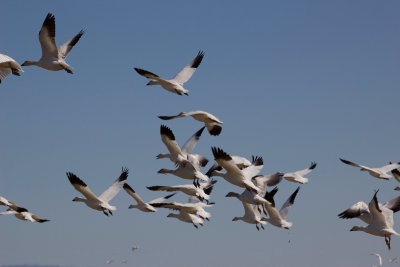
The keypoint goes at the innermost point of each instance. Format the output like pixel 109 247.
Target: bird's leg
pixel 258 208
pixel 68 70
pixel 110 212
pixel 265 212
pixel 201 217
pixel 195 226
pixel 258 229
pixel 208 219
pixel 105 213
pixel 15 72
pixel 387 241
pixel 201 224
pixel 262 226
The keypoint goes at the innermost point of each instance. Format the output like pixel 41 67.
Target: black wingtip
pixel 293 196
pixel 127 187
pixel 215 130
pixel 198 59
pixel 345 161
pixel 199 132
pixel 21 210
pixel 375 199
pixel 154 188
pixel 124 174
pixel 257 161
pixel 166 197
pixel 144 72
pixel 164 130
pixel 269 196
pixel 215 167
pixel 313 165
pixel 75 179
pixel 220 154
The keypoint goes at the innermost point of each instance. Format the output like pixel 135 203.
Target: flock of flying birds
pixel 255 198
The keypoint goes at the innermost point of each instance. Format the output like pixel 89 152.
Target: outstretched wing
pixel 355 211
pixel 192 142
pixel 64 50
pixel 187 72
pixel 133 194
pixel 390 167
pixel 168 138
pixel 151 75
pixel 288 204
pixel 308 170
pixel 160 199
pixel 114 189
pixel 354 164
pixel 47 37
pixel 80 186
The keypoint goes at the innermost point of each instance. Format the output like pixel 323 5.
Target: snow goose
pixel 141 205
pixel 378 256
pixel 24 214
pixel 134 248
pixel 180 155
pixel 297 176
pixel 381 221
pixel 394 260
pixel 7 66
pixel 193 207
pixel 53 57
pixel 234 175
pixel 251 216
pixel 174 85
pixel 360 210
pixel 380 173
pixel 187 217
pixel 202 192
pixel 101 202
pixel 278 218
pixel 210 121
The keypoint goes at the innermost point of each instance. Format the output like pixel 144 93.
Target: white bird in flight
pixel 298 176
pixel 53 57
pixel 381 221
pixel 379 257
pixel 210 121
pixel 101 202
pixel 251 215
pixel 23 214
pixel 175 85
pixel 380 173
pixel 141 205
pixel 7 66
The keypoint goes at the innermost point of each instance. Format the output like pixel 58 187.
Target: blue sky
pixel 293 81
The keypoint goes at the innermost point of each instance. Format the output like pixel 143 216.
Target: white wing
pixel 160 199
pixel 81 187
pixel 113 190
pixel 288 204
pixel 192 142
pixel 168 138
pixel 390 167
pixel 133 194
pixel 308 170
pixel 355 211
pixel 355 164
pixel 187 72
pixel 47 37
pixel 66 48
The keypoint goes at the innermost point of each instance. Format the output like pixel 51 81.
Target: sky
pixel 293 81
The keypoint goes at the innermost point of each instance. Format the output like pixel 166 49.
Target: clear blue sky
pixel 293 81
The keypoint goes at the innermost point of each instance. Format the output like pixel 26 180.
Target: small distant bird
pixel 380 173
pixel 394 260
pixel 141 205
pixel 278 218
pixel 24 214
pixel 135 248
pixel 174 85
pixel 109 261
pixel 381 223
pixel 297 176
pixel 210 121
pixel 101 202
pixel 202 192
pixel 53 57
pixel 7 65
pixel 378 256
